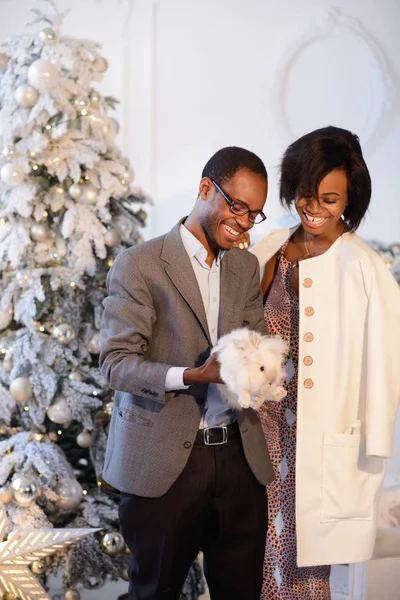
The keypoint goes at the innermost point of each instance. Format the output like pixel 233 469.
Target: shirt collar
pixel 194 247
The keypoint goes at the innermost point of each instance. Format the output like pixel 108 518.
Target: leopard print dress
pixel 283 580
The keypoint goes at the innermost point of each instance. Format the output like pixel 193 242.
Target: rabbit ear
pixel 255 338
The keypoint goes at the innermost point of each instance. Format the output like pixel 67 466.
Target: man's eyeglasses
pixel 240 209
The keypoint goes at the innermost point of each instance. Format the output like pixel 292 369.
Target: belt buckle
pixel 207 436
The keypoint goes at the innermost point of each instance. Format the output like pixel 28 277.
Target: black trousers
pixel 215 505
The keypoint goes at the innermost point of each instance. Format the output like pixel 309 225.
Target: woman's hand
pixel 243 241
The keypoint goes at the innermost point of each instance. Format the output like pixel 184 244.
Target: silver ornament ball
pixel 113 543
pixel 72 595
pixel 124 224
pixel 48 36
pixel 112 238
pixel 12 174
pixel 39 232
pixel 100 64
pixel 75 191
pixel 94 343
pixel 69 494
pixel 25 489
pixel 43 75
pixel 3 61
pixel 21 389
pixel 64 333
pixel 59 412
pixel 26 95
pixel 84 439
pixel 5 318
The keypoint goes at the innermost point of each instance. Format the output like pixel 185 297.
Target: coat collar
pixel 179 269
pixel 270 245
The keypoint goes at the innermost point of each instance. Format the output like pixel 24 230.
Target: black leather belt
pixel 215 436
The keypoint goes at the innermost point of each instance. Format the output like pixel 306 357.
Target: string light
pixel 59 431
pixel 94 393
pixel 72 284
pixel 26 408
pixel 35 167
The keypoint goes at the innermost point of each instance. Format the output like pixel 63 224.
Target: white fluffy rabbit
pixel 251 367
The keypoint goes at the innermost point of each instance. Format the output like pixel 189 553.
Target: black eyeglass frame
pixel 244 210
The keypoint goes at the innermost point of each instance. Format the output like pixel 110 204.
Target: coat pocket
pixel 346 490
pixel 133 416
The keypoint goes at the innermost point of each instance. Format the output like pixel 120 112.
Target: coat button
pixel 307 282
pixel 307 360
pixel 308 336
pixel 309 311
pixel 187 445
pixel 308 383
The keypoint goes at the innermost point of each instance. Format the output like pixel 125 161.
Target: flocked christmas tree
pixel 67 206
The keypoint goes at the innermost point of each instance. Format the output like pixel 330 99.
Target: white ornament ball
pixel 12 174
pixel 112 237
pixel 75 191
pixel 39 232
pixel 7 365
pixel 26 95
pixel 84 439
pixel 72 595
pixel 100 64
pixel 69 494
pixel 89 194
pixel 64 333
pixel 5 318
pixel 3 61
pixel 24 489
pixel 48 36
pixel 21 389
pixel 59 412
pixel 113 543
pixel 94 343
pixel 43 75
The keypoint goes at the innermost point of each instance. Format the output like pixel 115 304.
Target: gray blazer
pixel 153 319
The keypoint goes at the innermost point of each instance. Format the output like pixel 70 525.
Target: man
pixel 192 471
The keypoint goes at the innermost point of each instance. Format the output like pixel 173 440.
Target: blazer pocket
pixel 346 490
pixel 130 415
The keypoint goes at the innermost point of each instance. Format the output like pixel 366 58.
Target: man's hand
pixel 207 373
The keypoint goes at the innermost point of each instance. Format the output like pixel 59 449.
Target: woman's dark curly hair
pixel 310 158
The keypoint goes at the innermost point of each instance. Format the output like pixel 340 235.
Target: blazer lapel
pixel 229 291
pixel 180 271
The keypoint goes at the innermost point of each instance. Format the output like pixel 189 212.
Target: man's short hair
pixel 225 163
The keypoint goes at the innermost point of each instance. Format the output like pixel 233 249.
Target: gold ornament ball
pixel 112 237
pixel 100 64
pixel 84 439
pixel 26 95
pixel 109 408
pixel 75 376
pixel 48 36
pixel 39 232
pixel 25 489
pixel 64 333
pixel 6 496
pixel 72 595
pixel 21 389
pixel 89 194
pixel 38 567
pixel 113 543
pixel 75 191
pixel 9 596
pixel 3 61
pixel 124 574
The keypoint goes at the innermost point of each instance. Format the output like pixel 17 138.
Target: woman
pixel 336 304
